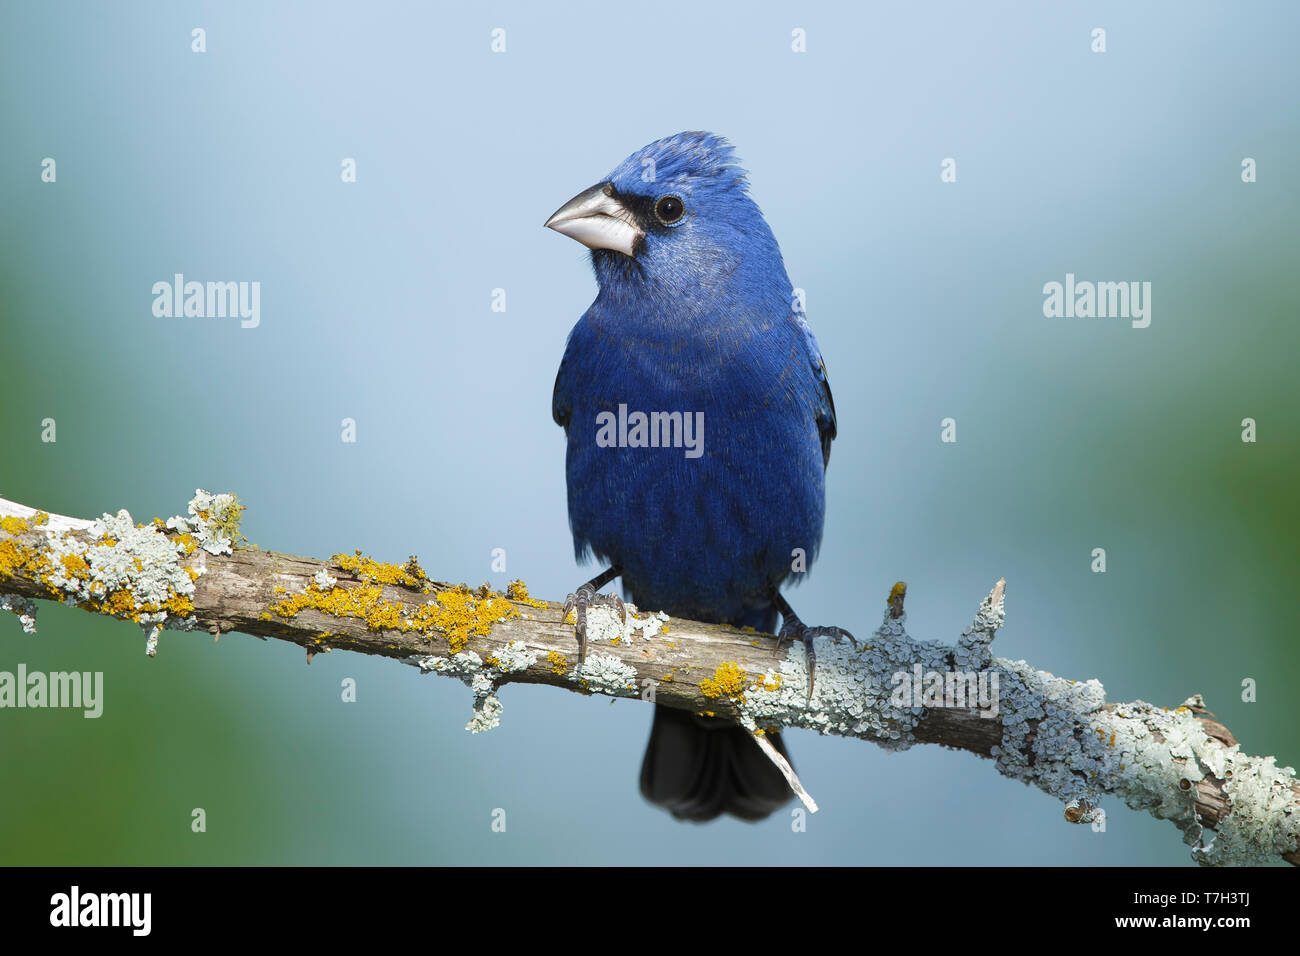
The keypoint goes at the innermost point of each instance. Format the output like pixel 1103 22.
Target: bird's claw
pixel 800 630
pixel 586 597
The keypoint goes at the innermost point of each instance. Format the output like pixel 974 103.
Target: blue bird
pixel 699 422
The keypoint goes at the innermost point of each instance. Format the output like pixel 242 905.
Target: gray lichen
pixel 21 608
pixel 487 714
pixel 1058 735
pixel 854 689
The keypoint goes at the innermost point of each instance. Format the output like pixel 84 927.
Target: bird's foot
pixel 792 627
pixel 583 599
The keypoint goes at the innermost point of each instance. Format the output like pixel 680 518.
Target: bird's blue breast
pixel 705 537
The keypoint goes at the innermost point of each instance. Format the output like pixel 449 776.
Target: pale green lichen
pixel 605 626
pixel 1058 735
pixel 487 714
pixel 123 570
pixel 606 674
pixel 481 676
pixel 113 566
pixel 213 523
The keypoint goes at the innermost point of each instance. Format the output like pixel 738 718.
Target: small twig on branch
pixel 1056 734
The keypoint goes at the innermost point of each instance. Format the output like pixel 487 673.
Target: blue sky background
pixel 925 296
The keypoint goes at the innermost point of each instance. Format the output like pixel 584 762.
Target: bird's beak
pixel 597 220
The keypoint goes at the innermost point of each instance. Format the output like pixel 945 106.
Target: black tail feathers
pixel 700 767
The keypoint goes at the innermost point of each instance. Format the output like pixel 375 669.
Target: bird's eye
pixel 669 209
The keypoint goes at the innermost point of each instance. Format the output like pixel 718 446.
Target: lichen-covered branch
pixel 190 573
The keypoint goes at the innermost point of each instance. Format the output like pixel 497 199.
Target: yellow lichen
pixel 367 569
pixel 774 684
pixel 518 591
pixel 727 681
pixel 456 613
pixel 179 605
pixel 75 565
pixel 559 663
pixel 14 525
pixel 119 604
pixel 17 560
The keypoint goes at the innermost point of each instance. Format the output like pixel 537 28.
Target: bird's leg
pixel 791 626
pixel 585 597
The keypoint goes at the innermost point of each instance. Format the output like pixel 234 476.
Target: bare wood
pixel 1058 735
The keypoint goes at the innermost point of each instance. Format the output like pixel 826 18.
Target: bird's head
pixel 676 212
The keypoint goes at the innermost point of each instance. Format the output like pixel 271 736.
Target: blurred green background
pixel 925 296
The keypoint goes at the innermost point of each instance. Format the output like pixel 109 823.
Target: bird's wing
pixel 561 402
pixel 825 406
pixel 826 414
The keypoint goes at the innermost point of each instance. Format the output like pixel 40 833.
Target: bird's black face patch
pixel 649 213
pixel 617 265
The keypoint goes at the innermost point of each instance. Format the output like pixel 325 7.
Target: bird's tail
pixel 701 767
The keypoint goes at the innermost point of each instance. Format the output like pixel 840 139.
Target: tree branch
pixel 1059 735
